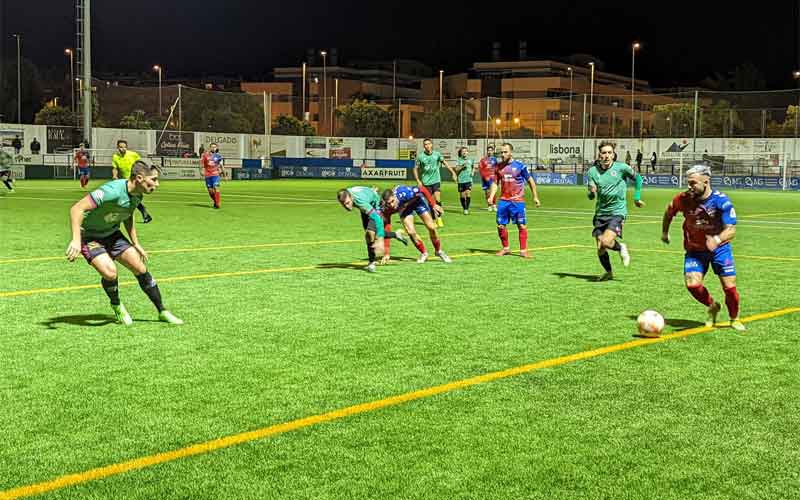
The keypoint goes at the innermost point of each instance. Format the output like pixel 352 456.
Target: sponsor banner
pixel 258 146
pixel 376 143
pixel 383 173
pixel 316 147
pixel 554 178
pixel 229 144
pixel 7 137
pixel 175 144
pixel 252 173
pixel 297 171
pixel 181 173
pixel 181 162
pixel 339 153
pixel 61 139
pixel 725 182
pixel 407 149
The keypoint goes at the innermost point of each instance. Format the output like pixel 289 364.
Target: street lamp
pixel 158 69
pixel 19 78
pixel 633 80
pixel 441 78
pixel 796 75
pixel 516 122
pixel 71 78
pixel 569 125
pixel 591 102
pixel 324 55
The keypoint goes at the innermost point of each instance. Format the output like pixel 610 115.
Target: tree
pixel 673 120
pixel 55 115
pixel 289 125
pixel 365 119
pixel 137 120
pixel 222 111
pixel 31 91
pixel 445 123
pixel 790 125
pixel 719 120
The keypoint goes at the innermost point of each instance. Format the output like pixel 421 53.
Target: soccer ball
pixel 650 323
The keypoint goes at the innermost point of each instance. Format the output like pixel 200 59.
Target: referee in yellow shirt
pixel 122 162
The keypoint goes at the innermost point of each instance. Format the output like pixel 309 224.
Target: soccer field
pixel 299 375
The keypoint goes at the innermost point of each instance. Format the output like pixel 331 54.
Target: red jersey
pixel 82 158
pixel 702 217
pixel 487 167
pixel 512 178
pixel 211 163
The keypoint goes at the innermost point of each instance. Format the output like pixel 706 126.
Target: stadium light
pixel 636 46
pixel 324 55
pixel 569 125
pixel 69 52
pixel 158 69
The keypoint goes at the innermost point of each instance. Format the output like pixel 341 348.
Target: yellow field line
pixel 290 244
pixel 39 291
pixel 254 435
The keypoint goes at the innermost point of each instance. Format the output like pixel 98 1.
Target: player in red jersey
pixel 709 226
pixel 487 167
pixel 512 175
pixel 83 162
pixel 212 163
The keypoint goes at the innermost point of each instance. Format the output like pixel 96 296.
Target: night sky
pixel 683 42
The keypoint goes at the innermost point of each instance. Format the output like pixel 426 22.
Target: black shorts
pixel 603 222
pixel 464 186
pixel 5 173
pixel 114 245
pixel 433 188
pixel 368 223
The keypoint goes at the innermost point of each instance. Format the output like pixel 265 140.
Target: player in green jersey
pixel 96 234
pixel 608 183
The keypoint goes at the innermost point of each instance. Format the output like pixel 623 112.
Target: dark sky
pixel 682 41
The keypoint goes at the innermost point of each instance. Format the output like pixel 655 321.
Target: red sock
pixel 503 232
pixel 420 246
pixel 437 244
pixel 732 301
pixel 523 239
pixel 217 198
pixel 700 293
pixel 211 195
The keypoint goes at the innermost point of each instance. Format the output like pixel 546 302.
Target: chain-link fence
pixel 553 114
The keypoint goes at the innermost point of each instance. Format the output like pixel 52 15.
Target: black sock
pixel 605 261
pixel 463 204
pixel 112 290
pixel 616 246
pixel 142 210
pixel 150 288
pixel 7 182
pixel 390 234
pixel 469 200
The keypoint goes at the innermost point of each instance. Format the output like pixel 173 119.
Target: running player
pixel 512 175
pixel 709 226
pixel 464 169
pixel 5 170
pixel 95 221
pixel 83 164
pixel 607 182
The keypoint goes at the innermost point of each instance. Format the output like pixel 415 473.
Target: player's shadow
pixel 677 324
pixel 482 250
pixel 201 205
pixel 585 277
pixel 356 265
pixel 79 320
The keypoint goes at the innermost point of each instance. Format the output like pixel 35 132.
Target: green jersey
pixel 5 160
pixel 113 205
pixel 465 172
pixel 429 164
pixel 368 201
pixel 123 164
pixel 612 188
